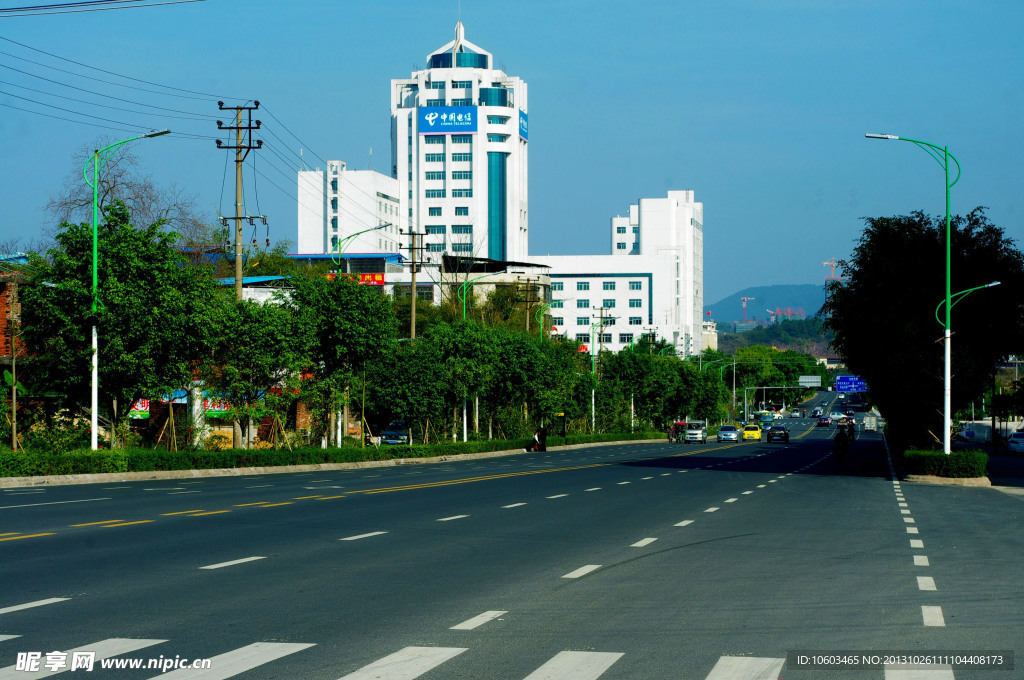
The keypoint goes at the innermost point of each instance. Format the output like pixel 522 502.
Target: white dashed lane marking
pixel 582 571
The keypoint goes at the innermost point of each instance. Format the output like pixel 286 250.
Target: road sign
pixel 850 383
pixel 810 381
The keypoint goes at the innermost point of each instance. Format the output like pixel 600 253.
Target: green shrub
pixel 960 464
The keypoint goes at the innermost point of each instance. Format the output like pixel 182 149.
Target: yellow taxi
pixel 751 432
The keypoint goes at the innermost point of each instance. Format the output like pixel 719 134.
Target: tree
pixel 883 313
pixel 153 319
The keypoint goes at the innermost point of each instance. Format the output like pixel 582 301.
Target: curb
pixel 107 477
pixel 948 481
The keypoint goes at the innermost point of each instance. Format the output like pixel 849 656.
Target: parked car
pixel 696 431
pixel 395 433
pixel 728 433
pixel 824 421
pixel 751 432
pixel 1015 442
pixel 777 433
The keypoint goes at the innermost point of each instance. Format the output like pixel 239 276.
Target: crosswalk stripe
pixel 237 661
pixel 104 649
pixel 405 664
pixel 746 668
pixel 932 615
pixel 575 666
pixel 919 673
pixel 29 605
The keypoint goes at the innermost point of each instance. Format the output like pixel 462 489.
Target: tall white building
pixel 459 132
pixel 651 282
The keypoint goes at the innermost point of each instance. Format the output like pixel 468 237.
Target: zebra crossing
pixel 407 663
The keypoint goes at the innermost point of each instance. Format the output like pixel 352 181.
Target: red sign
pixel 583 348
pixel 362 279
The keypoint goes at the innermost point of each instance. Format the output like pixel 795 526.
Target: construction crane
pixel 745 300
pixel 771 316
pixel 832 275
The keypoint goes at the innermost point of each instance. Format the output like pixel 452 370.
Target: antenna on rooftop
pixel 369 166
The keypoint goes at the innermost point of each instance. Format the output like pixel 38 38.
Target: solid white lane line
pixel 33 505
pixel 575 666
pixel 478 620
pixel 684 523
pixel 237 661
pixel 582 571
pixel 921 560
pixel 731 500
pixel 513 505
pixel 932 616
pixel 104 650
pixel 912 530
pixel 356 538
pixel 8 637
pixel 919 673
pixel 449 519
pixel 916 543
pixel 29 605
pixel 560 495
pixel 746 668
pixel 926 583
pixel 596 488
pixel 711 510
pixel 232 562
pixel 641 543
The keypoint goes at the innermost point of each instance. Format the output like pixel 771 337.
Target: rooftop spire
pixel 460 33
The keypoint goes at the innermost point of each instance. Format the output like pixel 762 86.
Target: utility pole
pixel 241 151
pixel 413 248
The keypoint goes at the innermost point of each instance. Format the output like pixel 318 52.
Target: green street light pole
pixel 99 157
pixel 342 245
pixel 942 156
pixel 538 317
pixel 463 291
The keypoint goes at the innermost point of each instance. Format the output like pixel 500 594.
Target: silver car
pixel 1016 442
pixel 728 433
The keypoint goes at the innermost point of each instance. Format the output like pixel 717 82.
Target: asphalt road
pixel 629 561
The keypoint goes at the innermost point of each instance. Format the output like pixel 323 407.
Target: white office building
pixel 651 282
pixel 357 210
pixel 459 131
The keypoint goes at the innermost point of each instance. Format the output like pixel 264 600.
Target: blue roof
pixel 397 258
pixel 230 280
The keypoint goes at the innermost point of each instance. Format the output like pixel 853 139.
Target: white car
pixel 1015 442
pixel 837 417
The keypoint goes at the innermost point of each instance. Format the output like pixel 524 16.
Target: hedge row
pixel 31 464
pixel 963 463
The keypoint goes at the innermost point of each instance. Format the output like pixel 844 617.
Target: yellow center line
pixel 92 524
pixel 327 498
pixel 212 512
pixel 274 505
pixel 15 538
pixel 484 478
pixel 302 498
pixel 128 524
pixel 245 505
pixel 183 512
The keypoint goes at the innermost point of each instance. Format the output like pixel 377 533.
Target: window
pixel 636 230
pixel 462 174
pixel 636 302
pixel 583 337
pixel 497 120
pixel 608 303
pixel 461 212
pixel 462 247
pixel 433 139
pixel 636 285
pixel 582 320
pixel 435 247
pixel 334 223
pixel 625 338
pixel 555 285
pixel 497 138
pixel 606 337
pixel 462 193
pixel 334 184
pixel 434 158
pixel 435 174
pixel 557 320
pixel 434 228
pixel 462 228
pixel 433 193
pixel 583 285
pixel 436 85
pixel 434 212
pixel 458 157
pixel 435 102
pixel 610 321
pixel 460 101
pixel 582 304
pixel 462 84
pixel 334 204
pixel 620 230
pixel 557 304
pixel 635 320
pixel 607 285
pixel 620 246
pixel 462 139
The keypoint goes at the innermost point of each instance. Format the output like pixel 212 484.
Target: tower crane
pixel 745 300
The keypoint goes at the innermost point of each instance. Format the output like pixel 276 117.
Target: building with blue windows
pixel 459 137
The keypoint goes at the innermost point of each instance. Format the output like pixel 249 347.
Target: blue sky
pixel 758 106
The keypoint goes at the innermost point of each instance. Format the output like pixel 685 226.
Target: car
pixel 728 433
pixel 824 421
pixel 696 431
pixel 395 433
pixel 777 433
pixel 795 413
pixel 751 432
pixel 825 403
pixel 1015 442
pixel 837 417
pixel 841 396
pixel 816 412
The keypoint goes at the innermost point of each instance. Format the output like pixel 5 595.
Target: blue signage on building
pixel 524 126
pixel 447 120
pixel 850 383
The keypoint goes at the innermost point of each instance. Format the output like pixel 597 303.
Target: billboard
pixel 810 381
pixel 524 126
pixel 447 120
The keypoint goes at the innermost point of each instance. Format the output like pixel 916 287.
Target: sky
pixel 759 106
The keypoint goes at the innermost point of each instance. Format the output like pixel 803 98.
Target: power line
pixel 39 10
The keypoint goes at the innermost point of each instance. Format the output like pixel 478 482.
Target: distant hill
pixel 809 297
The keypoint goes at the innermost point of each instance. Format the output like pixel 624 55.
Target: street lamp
pixel 942 156
pixel 463 292
pixel 341 246
pixel 538 317
pixel 99 157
